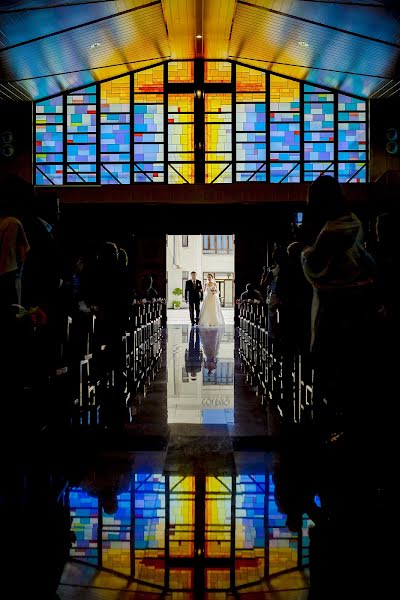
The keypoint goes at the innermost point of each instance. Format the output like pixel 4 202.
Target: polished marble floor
pixel 197 517
pixel 200 492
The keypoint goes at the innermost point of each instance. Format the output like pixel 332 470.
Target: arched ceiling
pixel 49 47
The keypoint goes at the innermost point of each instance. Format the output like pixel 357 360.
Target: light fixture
pixel 303 43
pixel 199 36
pixel 95 45
pixel 198 94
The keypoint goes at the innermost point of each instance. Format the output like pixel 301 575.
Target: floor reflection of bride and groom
pixel 203 350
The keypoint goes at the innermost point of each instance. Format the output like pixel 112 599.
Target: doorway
pixel 204 254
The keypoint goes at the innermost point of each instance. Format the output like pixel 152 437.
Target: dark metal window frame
pixel 199 152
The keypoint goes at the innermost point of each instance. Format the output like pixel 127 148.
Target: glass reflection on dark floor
pixel 200 375
pixel 196 533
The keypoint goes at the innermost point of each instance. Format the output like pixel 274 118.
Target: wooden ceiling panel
pixel 218 19
pixel 271 41
pixel 180 19
pixel 128 40
pixel 352 45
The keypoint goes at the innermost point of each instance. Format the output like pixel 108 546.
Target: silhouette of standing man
pixel 194 295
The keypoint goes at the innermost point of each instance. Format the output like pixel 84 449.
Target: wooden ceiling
pixel 49 47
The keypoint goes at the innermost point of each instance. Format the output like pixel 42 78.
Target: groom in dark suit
pixel 194 295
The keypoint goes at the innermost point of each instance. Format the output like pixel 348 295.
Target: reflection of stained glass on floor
pixel 181 528
pixel 245 535
pixel 218 517
pixel 84 512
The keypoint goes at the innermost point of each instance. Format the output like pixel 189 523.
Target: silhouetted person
pixel 341 272
pixel 251 294
pixel 194 295
pixel 297 302
pixel 274 282
pixel 106 480
pixel 150 293
pixel 16 194
pixel 41 275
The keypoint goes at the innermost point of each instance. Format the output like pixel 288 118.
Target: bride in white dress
pixel 211 311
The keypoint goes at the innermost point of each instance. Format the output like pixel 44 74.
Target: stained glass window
pixel 82 136
pixel 181 138
pixel 148 126
pixel 284 130
pixel 115 131
pixel 319 132
pixel 251 136
pixel 218 138
pixel 143 128
pixel 49 141
pixel 352 132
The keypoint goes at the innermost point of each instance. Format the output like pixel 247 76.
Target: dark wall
pixel 16 139
pixel 142 231
pixel 384 114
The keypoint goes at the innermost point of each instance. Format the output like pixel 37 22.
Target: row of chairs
pixel 282 377
pixel 99 375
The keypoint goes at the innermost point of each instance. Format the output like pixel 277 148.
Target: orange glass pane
pixel 150 80
pixel 249 80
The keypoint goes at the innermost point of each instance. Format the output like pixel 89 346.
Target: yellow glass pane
pixel 149 98
pixel 249 97
pixel 180 103
pixel 217 72
pixel 180 72
pixel 149 80
pixel 284 90
pixel 250 80
pixel 115 95
pixel 218 103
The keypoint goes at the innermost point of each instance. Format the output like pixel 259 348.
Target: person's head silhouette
pixel 110 502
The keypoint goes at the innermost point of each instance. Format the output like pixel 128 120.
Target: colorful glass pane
pixel 352 133
pixel 149 80
pixel 319 132
pixel 218 517
pixel 217 72
pixel 85 520
pixel 250 80
pixel 49 142
pixel 81 126
pixel 180 71
pixel 284 130
pixel 182 499
pixel 115 131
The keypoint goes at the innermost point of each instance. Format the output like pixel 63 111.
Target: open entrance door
pixel 204 254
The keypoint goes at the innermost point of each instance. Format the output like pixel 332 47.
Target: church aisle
pixel 197 517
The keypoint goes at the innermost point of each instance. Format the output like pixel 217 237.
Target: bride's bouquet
pixel 214 290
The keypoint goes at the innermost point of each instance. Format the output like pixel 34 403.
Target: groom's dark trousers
pixel 194 295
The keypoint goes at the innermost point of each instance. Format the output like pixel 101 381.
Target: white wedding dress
pixel 211 311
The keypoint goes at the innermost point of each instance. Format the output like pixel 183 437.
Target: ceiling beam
pixel 199 5
pixel 11 11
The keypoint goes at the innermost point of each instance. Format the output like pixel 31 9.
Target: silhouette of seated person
pixel 149 293
pixel 194 355
pixel 251 294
